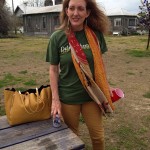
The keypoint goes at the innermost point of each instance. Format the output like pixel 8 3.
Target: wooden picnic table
pixel 40 135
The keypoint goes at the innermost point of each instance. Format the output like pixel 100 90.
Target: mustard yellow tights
pixel 93 118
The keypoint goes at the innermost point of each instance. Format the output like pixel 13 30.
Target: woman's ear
pixel 66 10
pixel 88 12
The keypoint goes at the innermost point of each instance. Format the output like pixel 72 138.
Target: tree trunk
pixel 148 40
pixel 2 2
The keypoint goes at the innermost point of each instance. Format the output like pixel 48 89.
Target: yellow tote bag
pixel 31 105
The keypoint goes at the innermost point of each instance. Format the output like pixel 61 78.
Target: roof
pixel 38 10
pixel 46 9
pixel 23 10
pixel 119 12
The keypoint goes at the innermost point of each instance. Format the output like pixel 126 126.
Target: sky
pixel 129 5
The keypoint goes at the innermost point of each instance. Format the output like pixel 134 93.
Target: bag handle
pixel 30 110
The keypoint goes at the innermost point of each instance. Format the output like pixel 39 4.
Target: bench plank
pixel 62 140
pixel 26 132
pixel 3 122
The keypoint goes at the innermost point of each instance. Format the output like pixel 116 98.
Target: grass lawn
pixel 23 66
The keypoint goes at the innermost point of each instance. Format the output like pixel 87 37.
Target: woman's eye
pixel 81 8
pixel 71 8
pixel 78 8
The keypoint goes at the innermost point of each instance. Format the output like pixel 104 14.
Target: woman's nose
pixel 75 11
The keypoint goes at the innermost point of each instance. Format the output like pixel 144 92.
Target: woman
pixel 69 97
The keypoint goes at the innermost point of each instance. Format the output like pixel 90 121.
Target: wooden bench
pixel 40 135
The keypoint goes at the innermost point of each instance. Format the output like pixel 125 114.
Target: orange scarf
pixel 84 72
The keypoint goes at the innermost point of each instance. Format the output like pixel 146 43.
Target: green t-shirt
pixel 71 90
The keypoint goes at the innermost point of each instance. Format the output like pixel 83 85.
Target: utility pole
pixel 14 16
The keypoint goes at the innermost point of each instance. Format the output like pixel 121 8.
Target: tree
pixel 35 3
pixel 58 2
pixel 4 19
pixel 48 3
pixel 144 18
pixel 2 2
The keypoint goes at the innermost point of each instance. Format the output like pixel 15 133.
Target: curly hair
pixel 97 20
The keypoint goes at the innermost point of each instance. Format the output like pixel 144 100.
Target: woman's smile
pixel 75 19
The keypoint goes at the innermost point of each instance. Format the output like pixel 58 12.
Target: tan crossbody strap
pixel 85 75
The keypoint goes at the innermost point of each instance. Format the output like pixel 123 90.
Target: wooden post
pixel 148 39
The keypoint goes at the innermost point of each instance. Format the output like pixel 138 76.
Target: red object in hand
pixel 117 94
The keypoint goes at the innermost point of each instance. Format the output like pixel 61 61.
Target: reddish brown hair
pixel 97 20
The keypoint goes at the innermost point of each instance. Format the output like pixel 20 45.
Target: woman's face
pixel 77 13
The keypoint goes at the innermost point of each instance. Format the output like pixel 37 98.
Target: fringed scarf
pixel 98 89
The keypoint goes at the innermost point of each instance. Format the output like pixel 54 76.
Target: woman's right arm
pixel 56 104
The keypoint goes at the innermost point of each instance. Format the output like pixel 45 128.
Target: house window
pixel 132 22
pixel 44 22
pixel 117 22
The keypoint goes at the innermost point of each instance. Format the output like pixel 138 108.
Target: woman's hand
pixel 56 107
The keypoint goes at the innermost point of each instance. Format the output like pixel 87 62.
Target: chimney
pixel 53 2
